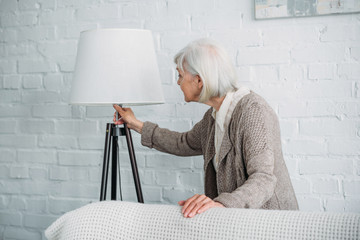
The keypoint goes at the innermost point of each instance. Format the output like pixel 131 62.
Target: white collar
pixel 220 115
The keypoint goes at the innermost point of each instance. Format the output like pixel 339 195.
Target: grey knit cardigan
pixel 251 172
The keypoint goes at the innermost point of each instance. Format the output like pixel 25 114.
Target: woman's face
pixel 190 85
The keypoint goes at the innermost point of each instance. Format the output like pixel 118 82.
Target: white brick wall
pixel 51 153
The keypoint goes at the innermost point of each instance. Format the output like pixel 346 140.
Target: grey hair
pixel 209 60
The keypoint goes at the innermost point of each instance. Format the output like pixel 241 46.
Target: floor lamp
pixel 116 66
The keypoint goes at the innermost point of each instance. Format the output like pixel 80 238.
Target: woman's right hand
pixel 127 116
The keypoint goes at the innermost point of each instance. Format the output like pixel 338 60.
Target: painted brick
pixel 92 142
pixel 12 82
pixel 60 16
pixel 36 33
pixel 32 81
pixel 291 72
pixel 12 219
pixel 53 82
pixel 17 203
pixel 310 204
pixel 20 141
pixel 19 172
pixel 79 174
pixel 8 5
pixel 38 173
pixel 345 147
pixel 8 35
pixel 36 126
pixel 216 20
pixel 325 89
pixel 335 205
pixel 37 97
pixel 125 159
pixel 8 126
pixel 20 233
pixel 10 187
pixel 36 156
pixel 7 66
pixel 59 173
pixel 129 10
pixel 173 196
pixel 152 194
pixel 352 205
pixel 36 66
pixel 323 165
pixel 321 71
pixel 36 205
pixel 39 188
pixel 7 155
pixel 11 19
pixel 301 186
pixel 95 13
pixel 4 172
pixel 349 70
pixel 53 50
pixel 38 221
pixel 327 127
pixel 78 190
pixel 355 53
pixel 339 32
pixel 29 4
pixel 262 55
pixel 198 162
pixel 9 96
pixel 165 178
pixel 58 142
pixel 305 147
pixel 318 53
pixel 76 128
pixel 52 111
pixel 79 158
pixel 191 178
pixel 290 35
pixel 288 128
pixel 326 186
pixel 148 178
pixel 351 187
pixel 63 205
pixel 167 161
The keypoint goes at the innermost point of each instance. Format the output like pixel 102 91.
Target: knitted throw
pixel 112 220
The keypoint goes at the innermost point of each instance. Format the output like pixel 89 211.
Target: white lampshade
pixel 116 66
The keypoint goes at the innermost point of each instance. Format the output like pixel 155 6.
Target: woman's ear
pixel 199 82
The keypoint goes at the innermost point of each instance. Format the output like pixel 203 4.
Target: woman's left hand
pixel 197 204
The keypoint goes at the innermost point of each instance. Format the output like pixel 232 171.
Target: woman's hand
pixel 127 116
pixel 197 204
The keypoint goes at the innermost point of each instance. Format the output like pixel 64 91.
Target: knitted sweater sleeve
pixel 164 140
pixel 256 136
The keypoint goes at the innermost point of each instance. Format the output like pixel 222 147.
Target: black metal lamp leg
pixel 114 167
pixel 105 162
pixel 133 164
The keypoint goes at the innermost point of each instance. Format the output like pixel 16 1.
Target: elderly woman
pixel 239 136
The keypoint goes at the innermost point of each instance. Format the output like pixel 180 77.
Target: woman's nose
pixel 178 81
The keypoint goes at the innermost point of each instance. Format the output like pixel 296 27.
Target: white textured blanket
pixel 125 220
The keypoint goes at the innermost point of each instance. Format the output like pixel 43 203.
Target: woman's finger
pixel 201 201
pixel 195 204
pixel 188 202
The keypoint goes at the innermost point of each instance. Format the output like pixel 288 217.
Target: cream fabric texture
pixel 251 171
pixel 112 220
